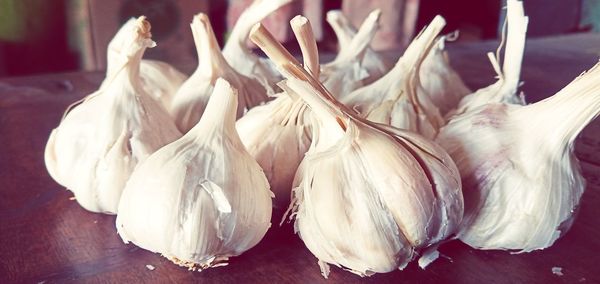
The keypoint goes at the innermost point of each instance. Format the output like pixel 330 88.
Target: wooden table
pixel 46 237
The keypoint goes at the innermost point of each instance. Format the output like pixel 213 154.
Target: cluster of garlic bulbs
pixel 367 197
pixel 376 166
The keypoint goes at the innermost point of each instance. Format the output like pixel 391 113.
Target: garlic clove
pixel 159 79
pixel 202 198
pixel 100 141
pixel 190 100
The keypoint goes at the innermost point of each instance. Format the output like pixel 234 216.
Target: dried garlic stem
pixel 340 25
pixel 308 45
pixel 356 48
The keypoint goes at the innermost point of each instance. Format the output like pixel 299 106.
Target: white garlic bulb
pixel 441 82
pixel 202 198
pixel 277 134
pixel 100 141
pixel 521 179
pixel 236 50
pixel 368 198
pixel 505 89
pixel 374 64
pixel 346 72
pixel 159 79
pixel 398 99
pixel 191 98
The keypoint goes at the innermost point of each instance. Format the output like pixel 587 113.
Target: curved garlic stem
pixel 256 12
pixel 356 48
pixel 308 45
pixel 515 42
pixel 341 27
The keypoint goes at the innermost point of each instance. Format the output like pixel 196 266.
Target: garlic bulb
pixel 346 72
pixel 398 99
pixel 202 198
pixel 369 198
pixel 277 134
pixel 159 79
pixel 505 89
pixel 372 62
pixel 191 99
pixel 237 53
pixel 100 141
pixel 440 81
pixel 522 182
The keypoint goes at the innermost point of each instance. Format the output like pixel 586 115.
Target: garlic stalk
pixel 440 81
pixel 277 134
pixel 368 198
pixel 346 72
pixel 191 99
pixel 398 99
pixel 372 62
pixel 99 142
pixel 236 51
pixel 522 181
pixel 201 199
pixel 505 89
pixel 159 79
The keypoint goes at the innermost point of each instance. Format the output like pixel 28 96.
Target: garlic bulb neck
pixel 210 58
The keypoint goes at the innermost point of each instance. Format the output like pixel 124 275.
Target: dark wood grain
pixel 45 236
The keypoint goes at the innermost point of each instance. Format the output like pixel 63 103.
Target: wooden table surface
pixel 46 237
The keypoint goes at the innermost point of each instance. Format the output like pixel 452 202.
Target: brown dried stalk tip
pixel 143 27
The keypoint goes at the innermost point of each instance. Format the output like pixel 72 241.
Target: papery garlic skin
pixel 159 79
pixel 99 142
pixel 192 97
pixel 373 63
pixel 277 135
pixel 202 198
pixel 521 179
pixel 237 53
pixel 398 99
pixel 441 82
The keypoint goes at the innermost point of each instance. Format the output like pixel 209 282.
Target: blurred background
pixel 41 36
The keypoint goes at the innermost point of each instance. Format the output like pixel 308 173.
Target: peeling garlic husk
pixel 236 50
pixel 521 180
pixel 346 72
pixel 201 199
pixel 190 100
pixel 159 79
pixel 505 89
pixel 369 198
pixel 100 141
pixel 374 64
pixel 398 98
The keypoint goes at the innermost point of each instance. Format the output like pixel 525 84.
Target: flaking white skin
pixel 236 50
pixel 159 79
pixel 373 63
pixel 398 99
pixel 522 181
pixel 190 100
pixel 99 142
pixel 202 198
